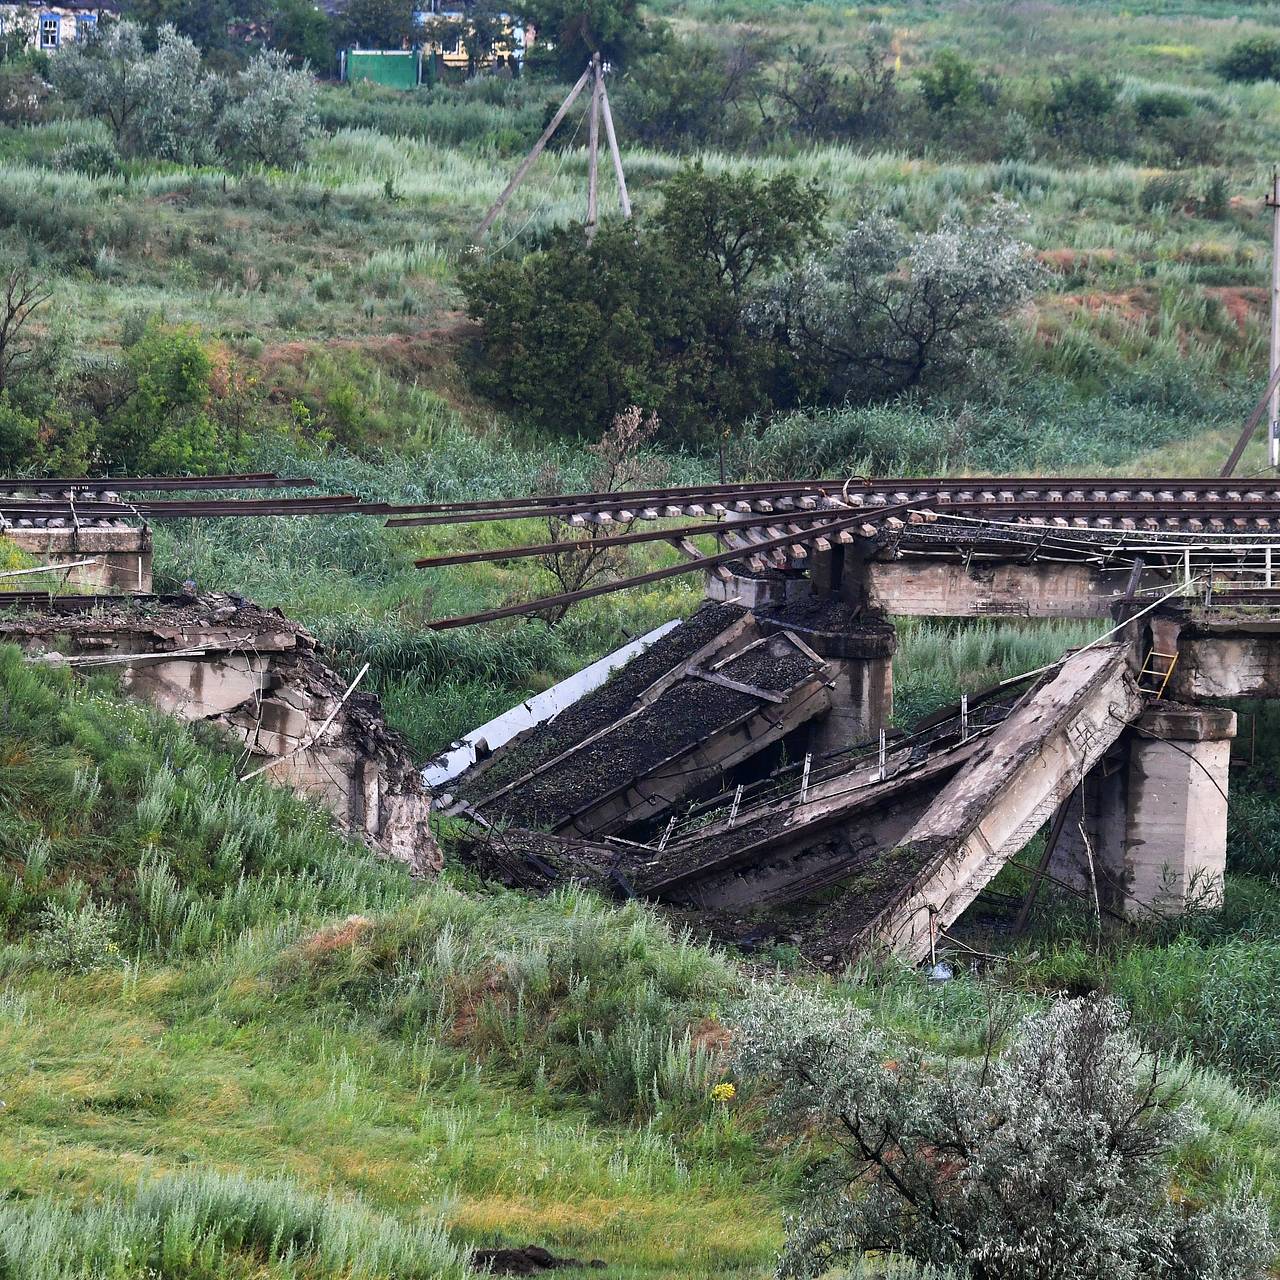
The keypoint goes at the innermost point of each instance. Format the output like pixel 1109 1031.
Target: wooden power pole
pixel 1273 418
pixel 599 110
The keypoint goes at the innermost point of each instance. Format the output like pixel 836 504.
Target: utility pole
pixel 593 150
pixel 599 110
pixel 1273 418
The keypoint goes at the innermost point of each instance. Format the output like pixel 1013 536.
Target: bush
pixel 1161 104
pixel 271 117
pixel 888 313
pixel 157 103
pixel 97 159
pixel 578 331
pixel 78 939
pixel 1049 1156
pixel 1164 191
pixel 950 83
pixel 1257 58
pixel 160 424
pixel 19 435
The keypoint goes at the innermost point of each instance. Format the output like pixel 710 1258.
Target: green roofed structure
pixel 396 68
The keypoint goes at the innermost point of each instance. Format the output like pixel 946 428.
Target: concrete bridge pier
pixel 1148 827
pixel 859 668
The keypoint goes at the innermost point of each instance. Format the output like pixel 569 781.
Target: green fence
pixel 397 68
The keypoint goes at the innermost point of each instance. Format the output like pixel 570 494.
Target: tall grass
pixel 100 798
pixel 193 1226
pixel 567 993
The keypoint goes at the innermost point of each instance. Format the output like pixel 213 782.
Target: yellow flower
pixel 723 1092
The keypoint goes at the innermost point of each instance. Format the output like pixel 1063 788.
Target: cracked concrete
pixel 263 680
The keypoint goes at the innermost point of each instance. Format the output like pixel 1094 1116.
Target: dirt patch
pixel 1240 304
pixel 335 937
pixel 530 1260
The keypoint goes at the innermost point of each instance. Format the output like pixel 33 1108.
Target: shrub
pixel 78 939
pixel 156 103
pixel 1164 191
pixel 22 94
pixel 950 83
pixel 1161 104
pixel 19 435
pixel 160 423
pixel 1216 200
pixel 579 28
pixel 97 159
pixel 271 117
pixel 1051 1156
pixel 577 332
pixel 820 96
pixel 1257 58
pixel 887 313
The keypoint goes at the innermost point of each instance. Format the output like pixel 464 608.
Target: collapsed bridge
pixel 742 764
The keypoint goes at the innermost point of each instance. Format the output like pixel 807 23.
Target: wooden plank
pixel 715 677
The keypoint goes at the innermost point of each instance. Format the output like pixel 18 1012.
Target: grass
pixel 515 1067
pixel 256 1084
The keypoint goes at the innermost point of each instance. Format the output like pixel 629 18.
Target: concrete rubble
pixel 771 812
pixel 262 679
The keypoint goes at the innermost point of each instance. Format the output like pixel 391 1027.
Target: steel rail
pixel 158 484
pixel 332 504
pixel 656 575
pixel 863 483
pixel 672 534
pixel 19 599
pixel 918 493
pixel 863 517
pixel 1182 511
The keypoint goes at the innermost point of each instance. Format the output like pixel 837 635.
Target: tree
pixel 108 77
pixel 302 31
pixel 157 421
pixel 157 103
pixel 21 295
pixel 623 461
pixel 1049 1157
pixel 820 98
pixel 741 226
pixel 887 313
pixel 205 23
pixel 378 24
pixel 579 28
pixel 950 83
pixel 650 316
pixel 271 115
pixel 693 92
pixel 1257 58
pixel 17 34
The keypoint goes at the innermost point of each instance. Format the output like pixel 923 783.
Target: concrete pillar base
pixel 1176 834
pixel 859 658
pixel 1148 827
pixel 750 591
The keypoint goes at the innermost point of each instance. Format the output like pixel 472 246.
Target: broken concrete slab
pixel 262 679
pixel 987 814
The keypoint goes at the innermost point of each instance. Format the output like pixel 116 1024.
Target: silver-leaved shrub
pixel 1049 1157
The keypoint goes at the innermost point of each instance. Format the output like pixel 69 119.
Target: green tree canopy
pixel 651 315
pixel 580 28
pixel 378 24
